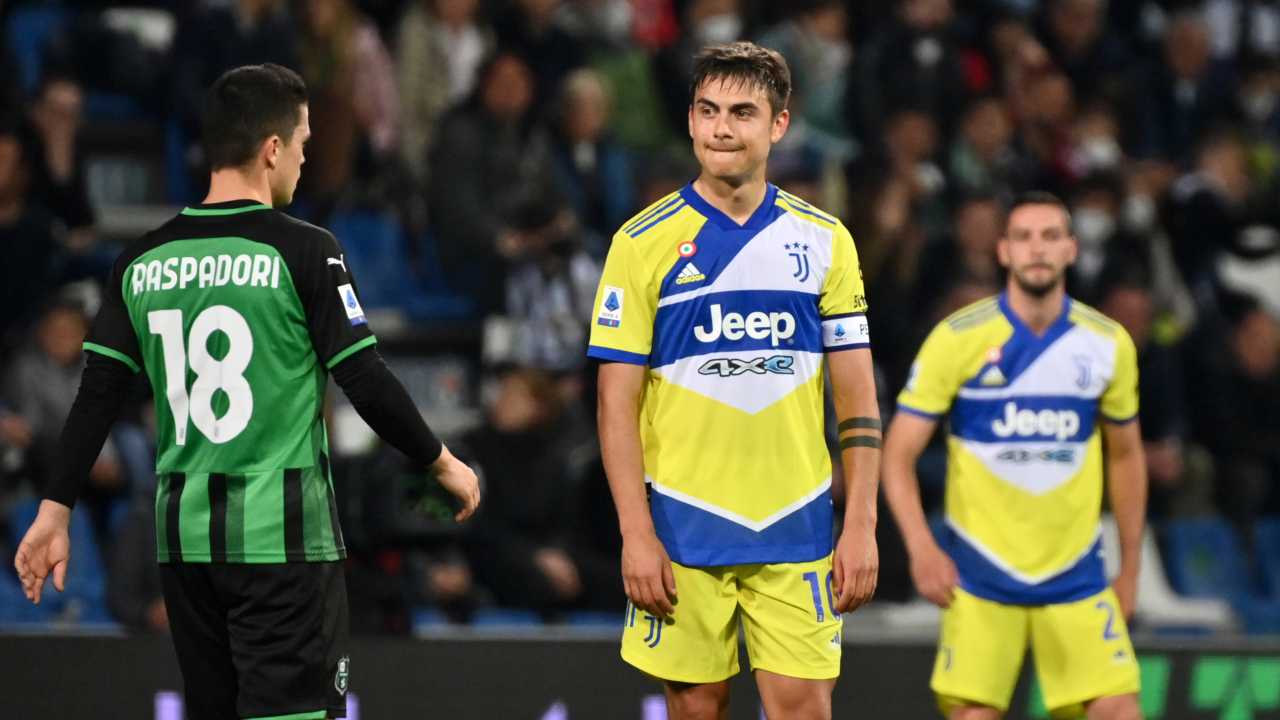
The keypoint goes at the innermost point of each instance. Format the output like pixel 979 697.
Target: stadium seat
pixel 1206 559
pixel 1159 607
pixel 1267 552
pixel 374 244
pixel 500 618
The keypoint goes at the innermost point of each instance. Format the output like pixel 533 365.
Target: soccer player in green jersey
pixel 238 313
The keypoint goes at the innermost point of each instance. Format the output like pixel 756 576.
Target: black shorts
pixel 257 641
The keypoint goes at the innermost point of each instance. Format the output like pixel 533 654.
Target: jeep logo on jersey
pixel 775 326
pixel 1060 424
pixel 729 367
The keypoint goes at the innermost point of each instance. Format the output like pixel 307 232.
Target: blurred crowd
pixel 499 144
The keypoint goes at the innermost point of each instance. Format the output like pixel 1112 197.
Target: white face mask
pixel 1139 213
pixel 1259 106
pixel 1100 153
pixel 719 29
pixel 1092 226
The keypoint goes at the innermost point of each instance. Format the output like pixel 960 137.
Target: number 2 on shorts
pixel 1108 631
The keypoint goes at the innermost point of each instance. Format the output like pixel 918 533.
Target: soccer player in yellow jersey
pixel 716 311
pixel 1041 394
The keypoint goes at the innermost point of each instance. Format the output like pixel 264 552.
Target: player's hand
pixel 1125 587
pixel 45 549
pixel 856 568
pixel 934 575
pixel 646 574
pixel 460 480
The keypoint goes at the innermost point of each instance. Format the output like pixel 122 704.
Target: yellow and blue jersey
pixel 1024 454
pixel 732 322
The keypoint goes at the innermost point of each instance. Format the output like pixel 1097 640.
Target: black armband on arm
pixel 866 441
pixel 385 405
pixel 860 423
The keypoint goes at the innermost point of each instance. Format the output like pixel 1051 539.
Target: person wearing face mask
pixel 914 62
pixel 1104 242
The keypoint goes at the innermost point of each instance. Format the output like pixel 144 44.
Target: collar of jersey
pixel 756 222
pixel 1055 329
pixel 230 207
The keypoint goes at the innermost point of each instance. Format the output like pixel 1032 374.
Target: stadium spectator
pixel 966 255
pixel 1179 482
pixel 914 61
pixel 1236 407
pixel 39 387
pixel 1207 208
pixel 440 45
pixel 551 285
pixel 212 39
pixel 29 239
pixel 531 30
pixel 982 158
pixel 1076 35
pixel 592 170
pixel 488 153
pixel 351 85
pixel 533 450
pixel 1184 93
pixel 814 41
pixel 57 164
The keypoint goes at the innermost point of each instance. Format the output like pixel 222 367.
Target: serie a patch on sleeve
pixel 851 330
pixel 351 304
pixel 610 307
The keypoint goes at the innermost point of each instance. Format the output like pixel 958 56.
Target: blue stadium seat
pixel 374 244
pixel 496 617
pixel 1267 552
pixel 593 619
pixel 425 616
pixel 29 30
pixel 1206 559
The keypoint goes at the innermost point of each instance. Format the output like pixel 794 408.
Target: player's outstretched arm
pixel 46 547
pixel 857 558
pixel 646 568
pixel 932 571
pixel 383 403
pixel 1127 491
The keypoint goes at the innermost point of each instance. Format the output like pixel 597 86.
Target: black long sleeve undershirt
pixel 376 394
pixel 104 386
pixel 385 405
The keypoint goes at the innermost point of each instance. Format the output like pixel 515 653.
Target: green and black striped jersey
pixel 236 312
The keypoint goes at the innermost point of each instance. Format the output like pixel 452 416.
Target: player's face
pixel 1037 248
pixel 733 126
pixel 290 155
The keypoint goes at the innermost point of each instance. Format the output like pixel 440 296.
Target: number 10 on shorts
pixel 812 579
pixel 212 374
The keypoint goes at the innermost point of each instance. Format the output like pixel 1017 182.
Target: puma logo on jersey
pixel 1059 424
pixel 340 261
pixel 776 326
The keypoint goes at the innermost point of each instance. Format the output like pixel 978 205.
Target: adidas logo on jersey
pixel 689 274
pixel 992 377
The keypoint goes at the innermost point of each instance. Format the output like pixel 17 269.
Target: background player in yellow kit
pixel 716 311
pixel 1038 388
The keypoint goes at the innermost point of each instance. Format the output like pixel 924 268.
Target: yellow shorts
pixel 784 610
pixel 1081 649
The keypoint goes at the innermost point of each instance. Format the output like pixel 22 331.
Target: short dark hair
pixel 744 62
pixel 247 105
pixel 1037 197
